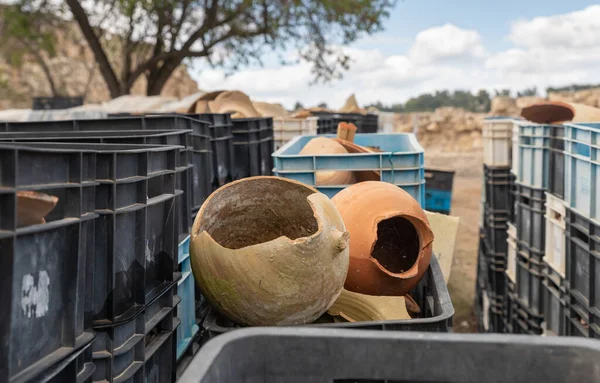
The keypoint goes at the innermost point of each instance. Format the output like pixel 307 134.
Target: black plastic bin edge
pixel 439 323
pixel 397 356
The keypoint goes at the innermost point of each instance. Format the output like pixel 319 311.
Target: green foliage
pixel 573 88
pixel 298 106
pixel 502 92
pixel 528 92
pixel 479 102
pixel 322 105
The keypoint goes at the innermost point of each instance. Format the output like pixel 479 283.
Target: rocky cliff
pixel 75 75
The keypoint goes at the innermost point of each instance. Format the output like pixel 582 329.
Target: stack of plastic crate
pixel 496 212
pixel 580 287
pixel 527 285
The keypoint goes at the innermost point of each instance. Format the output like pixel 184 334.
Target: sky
pixel 430 45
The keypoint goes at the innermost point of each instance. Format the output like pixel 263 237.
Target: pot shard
pixel 33 207
pixel 390 238
pixel 269 251
pixel 324 145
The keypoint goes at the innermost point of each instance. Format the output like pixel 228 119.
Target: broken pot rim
pixel 414 270
pixel 283 238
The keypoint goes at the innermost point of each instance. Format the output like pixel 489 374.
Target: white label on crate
pixel 149 254
pixel 35 298
pixel 558 245
pixel 486 310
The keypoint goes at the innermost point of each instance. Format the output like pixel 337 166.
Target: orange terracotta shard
pixel 33 207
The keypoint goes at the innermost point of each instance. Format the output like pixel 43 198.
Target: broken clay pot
pixel 390 238
pixel 33 207
pixel 269 251
pixel 324 145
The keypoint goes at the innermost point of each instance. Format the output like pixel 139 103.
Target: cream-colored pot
pixel 269 251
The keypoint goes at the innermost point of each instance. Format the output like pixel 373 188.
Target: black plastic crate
pixel 326 125
pixel 183 201
pixel 56 102
pixel 439 179
pixel 556 185
pixel 45 288
pixel 530 275
pixel 490 311
pixel 161 129
pixel 370 123
pixel 495 228
pixel 180 138
pixel 153 137
pixel 151 122
pixel 431 294
pixel 77 367
pixel 555 309
pixel 494 269
pixel 523 320
pixel 583 259
pixel 295 355
pixel 143 349
pixel 530 220
pixel 352 118
pixel 498 185
pixel 253 146
pixel 509 307
pixel 214 119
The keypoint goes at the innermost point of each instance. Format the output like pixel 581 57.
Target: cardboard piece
pixel 445 229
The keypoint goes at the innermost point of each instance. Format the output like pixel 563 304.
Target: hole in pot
pixel 257 211
pixel 397 246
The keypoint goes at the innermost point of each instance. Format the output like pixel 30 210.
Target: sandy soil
pixel 466 195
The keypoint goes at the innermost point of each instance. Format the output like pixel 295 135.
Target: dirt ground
pixel 466 196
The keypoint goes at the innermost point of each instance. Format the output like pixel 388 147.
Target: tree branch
pixel 105 68
pixel 38 56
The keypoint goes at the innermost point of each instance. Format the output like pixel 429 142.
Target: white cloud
pixel 446 42
pixel 555 50
pixel 580 29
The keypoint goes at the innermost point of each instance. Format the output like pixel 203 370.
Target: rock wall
pixel 76 75
pixel 446 129
pixel 589 97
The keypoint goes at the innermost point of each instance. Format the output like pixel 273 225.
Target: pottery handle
pixel 340 239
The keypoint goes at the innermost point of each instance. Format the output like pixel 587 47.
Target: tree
pixel 502 92
pixel 527 92
pixel 298 106
pixel 26 33
pixel 154 37
pixel 322 105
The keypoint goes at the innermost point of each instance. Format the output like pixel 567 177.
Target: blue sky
pixel 491 18
pixel 441 44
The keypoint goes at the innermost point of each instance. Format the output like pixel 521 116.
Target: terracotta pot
pixel 557 112
pixel 33 207
pixel 390 238
pixel 269 251
pixel 324 145
pixel 364 175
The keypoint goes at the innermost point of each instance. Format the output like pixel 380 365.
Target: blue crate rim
pixel 411 137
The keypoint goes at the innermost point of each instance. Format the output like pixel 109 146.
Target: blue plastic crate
pixel 401 162
pixel 186 309
pixel 534 154
pixel 582 168
pixel 438 200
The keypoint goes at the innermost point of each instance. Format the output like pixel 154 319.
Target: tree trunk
pixel 47 73
pixel 157 81
pixel 106 69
